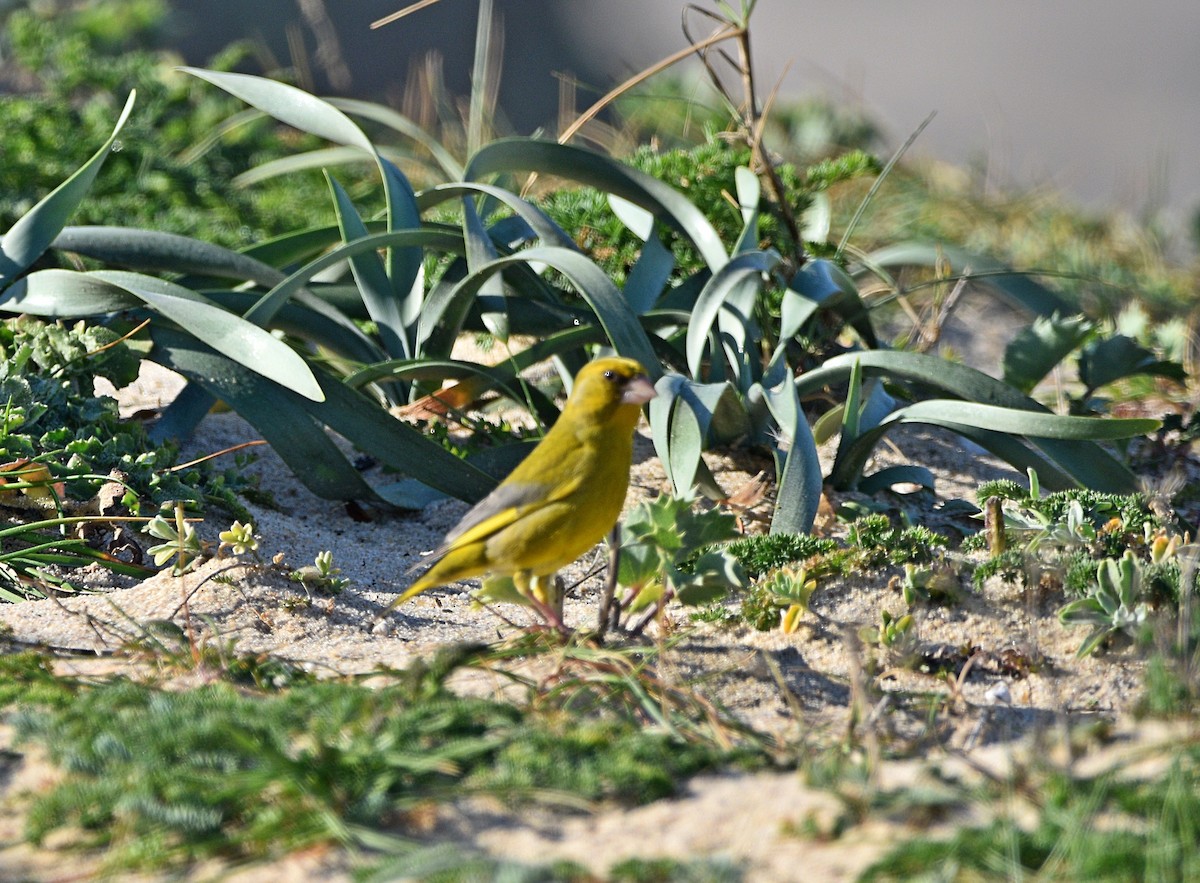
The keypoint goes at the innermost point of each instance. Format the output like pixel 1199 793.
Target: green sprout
pixel 1113 606
pixel 937 583
pixel 891 632
pixel 321 575
pixel 181 542
pixel 671 551
pixel 790 589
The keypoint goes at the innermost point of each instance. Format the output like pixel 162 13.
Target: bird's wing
pixel 499 509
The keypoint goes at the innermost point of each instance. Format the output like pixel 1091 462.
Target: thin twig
pixel 399 14
pixel 610 583
pixel 655 68
pixel 230 450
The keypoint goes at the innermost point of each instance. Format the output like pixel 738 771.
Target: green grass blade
pixel 433 239
pixel 542 225
pixel 398 122
pixel 1025 423
pixel 311 160
pixel 301 245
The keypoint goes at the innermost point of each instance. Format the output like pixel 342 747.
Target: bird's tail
pixel 456 564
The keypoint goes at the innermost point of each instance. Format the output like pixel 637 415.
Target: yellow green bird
pixel 561 500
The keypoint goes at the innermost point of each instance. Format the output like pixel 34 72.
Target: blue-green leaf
pixel 33 232
pixel 62 293
pixel 370 275
pixel 290 105
pixel 605 174
pixel 797 466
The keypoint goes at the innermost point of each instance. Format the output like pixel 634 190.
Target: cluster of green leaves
pixel 786 569
pixel 53 418
pixel 164 777
pixel 671 550
pixel 1104 525
pixel 1108 826
pixel 169 171
pixel 1114 556
pixel 62 446
pixel 1102 358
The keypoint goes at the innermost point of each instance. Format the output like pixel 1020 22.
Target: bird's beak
pixel 638 390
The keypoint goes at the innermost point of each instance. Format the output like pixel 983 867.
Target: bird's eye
pixel 610 375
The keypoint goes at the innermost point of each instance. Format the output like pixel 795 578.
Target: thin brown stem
pixel 674 58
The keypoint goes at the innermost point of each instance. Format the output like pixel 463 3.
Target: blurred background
pixel 1092 97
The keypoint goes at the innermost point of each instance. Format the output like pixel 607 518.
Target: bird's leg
pixel 558 594
pixel 548 604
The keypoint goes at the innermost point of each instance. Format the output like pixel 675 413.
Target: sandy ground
pixel 800 686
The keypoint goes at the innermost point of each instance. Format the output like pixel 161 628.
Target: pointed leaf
pixel 648 277
pixel 823 284
pixel 749 192
pixel 370 276
pixel 607 175
pixel 1036 349
pixel 798 468
pixel 47 292
pixel 33 232
pixel 290 105
pixel 723 285
pixel 817 219
pixel 677 434
pixel 639 221
pixel 404 263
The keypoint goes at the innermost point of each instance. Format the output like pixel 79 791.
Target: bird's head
pixel 611 386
